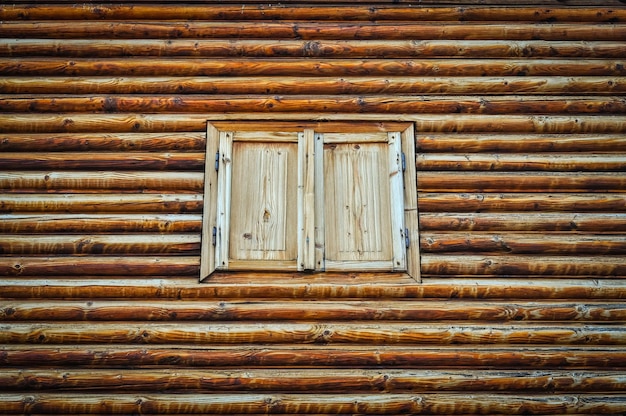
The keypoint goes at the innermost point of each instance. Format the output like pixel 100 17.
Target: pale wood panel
pixel 263 210
pixel 358 212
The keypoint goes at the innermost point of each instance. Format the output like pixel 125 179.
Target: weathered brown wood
pixel 309 30
pixel 99 266
pixel 306 286
pixel 304 380
pixel 323 333
pixel 400 104
pixel 520 181
pixel 520 221
pixel 380 356
pixel 120 142
pixel 425 123
pixel 80 48
pixel 557 13
pixel 109 161
pixel 537 243
pixel 515 202
pixel 100 180
pixel 318 403
pixel 101 223
pixel 528 143
pixel 553 162
pixel 346 310
pixel 316 85
pixel 194 67
pixel 103 203
pixel 579 266
pixel 110 244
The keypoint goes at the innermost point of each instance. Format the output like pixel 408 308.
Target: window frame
pixel 309 188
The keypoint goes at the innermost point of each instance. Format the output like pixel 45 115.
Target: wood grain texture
pixel 518 114
pixel 324 357
pixel 305 380
pixel 261 310
pixel 353 12
pixel 285 66
pixel 310 30
pixel 323 403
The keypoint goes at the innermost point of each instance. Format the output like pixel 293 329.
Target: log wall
pixel 520 124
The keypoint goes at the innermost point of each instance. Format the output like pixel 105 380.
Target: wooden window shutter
pixel 363 202
pixel 285 196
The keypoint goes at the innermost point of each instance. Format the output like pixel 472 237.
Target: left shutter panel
pixel 257 221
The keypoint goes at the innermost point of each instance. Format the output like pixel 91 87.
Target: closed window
pixel 294 196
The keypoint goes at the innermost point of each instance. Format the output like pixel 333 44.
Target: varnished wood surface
pixel 494 12
pixel 303 380
pixel 520 135
pixel 321 403
pixel 346 310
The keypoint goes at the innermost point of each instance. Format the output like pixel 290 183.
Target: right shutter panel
pixel 357 203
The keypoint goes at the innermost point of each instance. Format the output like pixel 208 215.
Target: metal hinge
pixel 214 236
pixel 407 240
pixel 217 161
pixel 403 162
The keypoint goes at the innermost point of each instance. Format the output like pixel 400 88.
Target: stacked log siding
pixel 520 133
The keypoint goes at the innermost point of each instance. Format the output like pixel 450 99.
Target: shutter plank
pixel 357 201
pixel 263 211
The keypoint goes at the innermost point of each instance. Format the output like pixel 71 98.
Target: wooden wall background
pixel 521 137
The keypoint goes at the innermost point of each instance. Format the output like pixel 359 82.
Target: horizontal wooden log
pixel 310 30
pixel 315 85
pixel 424 123
pixel 379 356
pixel 304 380
pixel 527 143
pixel 100 223
pixel 571 266
pixel 520 221
pixel 95 142
pixel 519 202
pixel 109 160
pixel 104 48
pixel 558 162
pixel 286 103
pixel 520 181
pixel 196 67
pixel 322 333
pixel 76 181
pixel 306 286
pixel 318 403
pixel 99 266
pixel 90 203
pixel 109 244
pixel 348 310
pixel 353 12
pixel 536 243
